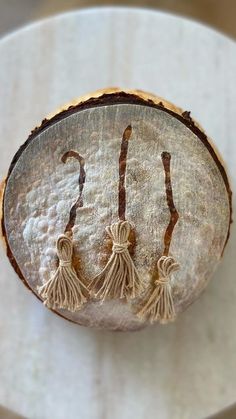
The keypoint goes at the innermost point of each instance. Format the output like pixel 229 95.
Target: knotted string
pixel 119 247
pixel 119 278
pixel 64 289
pixel 166 265
pixel 158 303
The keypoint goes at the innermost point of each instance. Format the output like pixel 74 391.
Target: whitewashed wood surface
pixel 50 367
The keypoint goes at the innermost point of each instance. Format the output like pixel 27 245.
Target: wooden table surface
pixel 220 15
pixel 49 367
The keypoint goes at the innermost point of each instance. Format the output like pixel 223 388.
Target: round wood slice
pixel 42 186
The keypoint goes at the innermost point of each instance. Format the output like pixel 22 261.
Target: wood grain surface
pixel 185 370
pixel 218 14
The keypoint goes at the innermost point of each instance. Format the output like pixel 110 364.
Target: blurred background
pixel 219 14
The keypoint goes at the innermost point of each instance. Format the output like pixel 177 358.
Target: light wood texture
pixel 186 369
pixel 214 13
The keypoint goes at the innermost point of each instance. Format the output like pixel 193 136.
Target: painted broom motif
pixel 119 278
pixel 158 304
pixel 65 289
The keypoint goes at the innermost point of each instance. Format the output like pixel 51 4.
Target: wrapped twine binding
pixel 119 278
pixel 158 304
pixel 64 289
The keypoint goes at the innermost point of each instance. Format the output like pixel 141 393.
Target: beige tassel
pixel 64 289
pixel 119 278
pixel 159 305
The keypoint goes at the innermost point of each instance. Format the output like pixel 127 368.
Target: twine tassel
pixel 64 289
pixel 159 305
pixel 119 278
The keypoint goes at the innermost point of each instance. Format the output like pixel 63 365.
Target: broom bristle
pixel 119 278
pixel 158 304
pixel 64 289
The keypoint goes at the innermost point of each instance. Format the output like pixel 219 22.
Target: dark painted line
pixel 82 177
pixel 174 216
pixel 122 172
